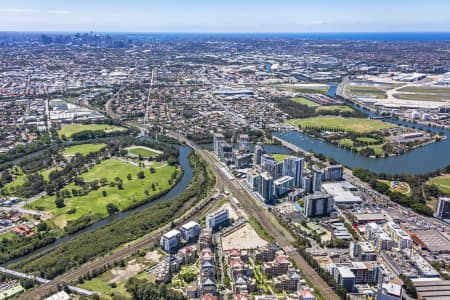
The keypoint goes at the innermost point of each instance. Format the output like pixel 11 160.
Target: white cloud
pixel 14 10
pixel 59 12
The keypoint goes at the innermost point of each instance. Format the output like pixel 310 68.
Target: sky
pixel 226 15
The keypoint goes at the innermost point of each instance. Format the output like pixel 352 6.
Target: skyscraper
pixel 443 208
pixel 259 151
pixel 318 204
pixel 217 141
pixel 266 188
pixel 317 179
pixel 243 142
pixel 293 166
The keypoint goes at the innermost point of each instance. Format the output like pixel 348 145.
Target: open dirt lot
pixel 243 238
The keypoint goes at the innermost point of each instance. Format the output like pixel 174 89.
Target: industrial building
pixel 341 194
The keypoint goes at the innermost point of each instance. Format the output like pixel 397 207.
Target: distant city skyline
pixel 226 16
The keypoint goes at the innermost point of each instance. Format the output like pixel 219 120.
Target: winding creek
pixel 418 161
pixel 181 185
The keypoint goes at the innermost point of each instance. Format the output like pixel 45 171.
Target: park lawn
pixel 70 129
pixel 377 148
pixel 95 203
pixel 368 140
pixel 304 101
pixel 346 143
pixel 143 152
pixel 424 97
pixel 442 182
pixel 83 149
pixel 19 177
pixel 100 284
pixel 359 125
pixel 280 157
pixel 406 190
pixel 335 108
pixel 18 180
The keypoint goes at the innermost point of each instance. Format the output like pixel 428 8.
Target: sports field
pixel 83 149
pixel 95 202
pixel 442 182
pixel 69 129
pixel 304 101
pixel 359 125
pixel 144 152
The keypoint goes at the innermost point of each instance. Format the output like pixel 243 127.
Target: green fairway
pixel 304 101
pixel 70 129
pixel 424 97
pixel 442 182
pixel 359 125
pixel 95 202
pixel 280 157
pixel 335 108
pixel 377 148
pixel 143 151
pixel 83 149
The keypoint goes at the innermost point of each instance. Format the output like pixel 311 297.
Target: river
pixel 181 185
pixel 418 161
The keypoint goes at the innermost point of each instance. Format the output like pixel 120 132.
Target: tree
pixel 129 176
pixel 104 193
pixel 59 202
pixel 152 170
pixel 42 226
pixel 111 209
pixel 141 175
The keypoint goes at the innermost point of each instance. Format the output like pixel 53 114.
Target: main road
pixel 255 208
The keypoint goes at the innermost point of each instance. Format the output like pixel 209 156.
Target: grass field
pixel 424 97
pixel 70 129
pixel 100 284
pixel 367 140
pixel 311 90
pixel 376 148
pixel 425 90
pixel 143 151
pixel 94 202
pixel 304 101
pixel 359 125
pixel 280 157
pixel 442 182
pixel 333 108
pixel 401 187
pixel 346 143
pixel 366 91
pixel 83 149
